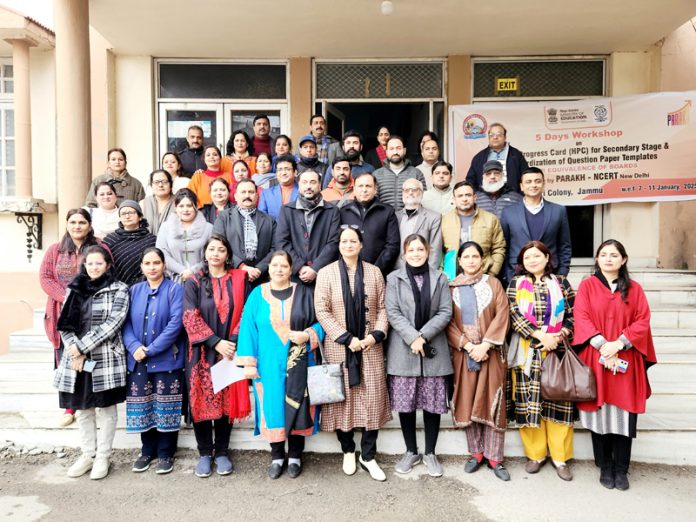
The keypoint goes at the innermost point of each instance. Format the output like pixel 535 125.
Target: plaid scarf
pixel 251 238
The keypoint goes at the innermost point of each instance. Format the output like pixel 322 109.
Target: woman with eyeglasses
pixel 349 303
pixel 159 204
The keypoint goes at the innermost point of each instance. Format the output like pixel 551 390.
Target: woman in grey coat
pixel 419 307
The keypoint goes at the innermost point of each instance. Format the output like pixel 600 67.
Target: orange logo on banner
pixel 679 117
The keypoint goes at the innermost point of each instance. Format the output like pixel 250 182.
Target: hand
pixel 611 363
pixel 307 274
pixel 355 345
pixel 251 372
pixel 479 352
pixel 226 348
pixel 140 354
pixel 611 348
pixel 78 362
pixel 73 352
pixel 417 346
pixel 186 274
pixel 253 273
pixel 368 342
pixel 547 342
pixel 298 337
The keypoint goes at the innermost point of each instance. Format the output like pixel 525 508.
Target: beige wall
pixel 677 246
pixel 458 80
pixel 300 75
pixel 134 111
pixel 103 98
pixel 43 126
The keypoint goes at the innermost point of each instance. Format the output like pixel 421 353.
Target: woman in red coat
pixel 612 323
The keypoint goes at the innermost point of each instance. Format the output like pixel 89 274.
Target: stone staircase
pixel 29 408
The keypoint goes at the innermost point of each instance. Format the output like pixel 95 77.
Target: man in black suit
pixel 536 219
pixel 250 232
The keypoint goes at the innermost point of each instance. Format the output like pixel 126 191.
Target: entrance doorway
pixel 406 119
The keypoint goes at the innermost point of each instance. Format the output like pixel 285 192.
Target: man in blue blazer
pixel 536 219
pixel 284 191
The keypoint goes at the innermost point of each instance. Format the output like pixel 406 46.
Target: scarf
pixel 381 153
pixel 308 205
pixel 251 238
pixel 127 247
pixel 81 288
pixel 310 163
pixel 470 314
pixel 553 316
pixel 354 304
pixel 421 295
pixel 298 415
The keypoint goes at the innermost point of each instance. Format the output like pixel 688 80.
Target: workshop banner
pixel 598 150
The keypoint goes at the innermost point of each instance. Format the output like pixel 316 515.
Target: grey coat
pixel 429 225
pixel 401 312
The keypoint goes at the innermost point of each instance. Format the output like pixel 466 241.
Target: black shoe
pixel 472 464
pixel 165 465
pixel 275 471
pixel 606 478
pixel 294 470
pixel 500 472
pixel 621 481
pixel 142 464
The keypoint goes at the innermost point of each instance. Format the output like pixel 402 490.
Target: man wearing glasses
pixel 500 150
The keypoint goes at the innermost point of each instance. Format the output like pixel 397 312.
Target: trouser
pixel 483 439
pixel 204 436
pixel 431 425
pixel 93 441
pixel 557 437
pixel 368 444
pixel 295 448
pixel 612 451
pixel 160 444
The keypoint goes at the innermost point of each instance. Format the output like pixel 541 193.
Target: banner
pixel 598 150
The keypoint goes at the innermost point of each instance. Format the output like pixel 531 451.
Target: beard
pixel 352 154
pixel 492 188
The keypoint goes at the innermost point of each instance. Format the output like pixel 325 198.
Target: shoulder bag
pixel 567 377
pixel 325 382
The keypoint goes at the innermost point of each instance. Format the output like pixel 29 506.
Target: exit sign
pixel 505 85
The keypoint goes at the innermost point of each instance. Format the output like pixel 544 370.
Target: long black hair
pixel 206 283
pixel 67 245
pixel 623 282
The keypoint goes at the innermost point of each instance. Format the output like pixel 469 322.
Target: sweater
pixel 389 184
pixel 183 249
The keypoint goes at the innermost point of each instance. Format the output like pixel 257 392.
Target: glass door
pixel 176 118
pixel 241 116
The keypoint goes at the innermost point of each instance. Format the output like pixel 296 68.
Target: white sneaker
pixel 373 469
pixel 100 468
pixel 349 466
pixel 81 466
pixel 66 420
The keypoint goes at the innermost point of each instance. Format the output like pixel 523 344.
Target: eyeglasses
pixel 161 182
pixel 128 213
pixel 495 135
pixel 411 189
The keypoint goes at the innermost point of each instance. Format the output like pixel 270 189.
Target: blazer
pixel 315 250
pixel 272 199
pixel 515 164
pixel 380 229
pixel 401 311
pixel 167 341
pixel 429 225
pixel 556 236
pixel 229 224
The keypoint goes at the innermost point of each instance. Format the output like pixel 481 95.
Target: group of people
pixel 277 263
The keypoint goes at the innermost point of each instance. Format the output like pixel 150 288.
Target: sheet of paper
pixel 224 373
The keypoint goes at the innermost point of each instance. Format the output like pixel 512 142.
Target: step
pixel 685 297
pixel 674 340
pixel 670 316
pixel 37 318
pixel 31 339
pixel 664 278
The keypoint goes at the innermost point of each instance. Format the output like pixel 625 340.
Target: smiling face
pixel 216 254
pixel 152 267
pixel 219 193
pixel 470 261
pixel 240 171
pixel 279 270
pixel 186 210
pixel 106 197
pixel 160 185
pixel 285 174
pixel 212 158
pixel 171 164
pixel 263 164
pixel 78 227
pixel 96 265
pixel 282 147
pixel 349 244
pixel 610 260
pixel 532 185
pixel 246 195
pixel 534 261
pixel 383 136
pixel 416 253
pixel 262 127
pixel 117 163
pixel 240 143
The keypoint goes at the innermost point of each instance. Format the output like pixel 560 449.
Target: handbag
pixel 567 378
pixel 325 382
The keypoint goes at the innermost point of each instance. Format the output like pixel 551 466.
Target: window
pixel 7 150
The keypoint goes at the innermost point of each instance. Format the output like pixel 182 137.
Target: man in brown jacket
pixel 469 223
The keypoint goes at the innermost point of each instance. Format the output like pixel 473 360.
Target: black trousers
pixel 160 444
pixel 431 425
pixel 295 448
pixel 222 428
pixel 612 452
pixel 368 444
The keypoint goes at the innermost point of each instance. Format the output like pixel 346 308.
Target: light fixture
pixel 387 7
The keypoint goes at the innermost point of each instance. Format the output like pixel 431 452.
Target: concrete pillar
pixel 22 116
pixel 73 116
pixel 300 96
pixel 458 80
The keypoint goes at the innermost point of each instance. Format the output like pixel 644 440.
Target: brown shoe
pixel 533 466
pixel 563 471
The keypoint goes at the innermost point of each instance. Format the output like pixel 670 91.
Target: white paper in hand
pixel 224 373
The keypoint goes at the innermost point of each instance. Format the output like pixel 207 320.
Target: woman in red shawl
pixel 612 322
pixel 213 302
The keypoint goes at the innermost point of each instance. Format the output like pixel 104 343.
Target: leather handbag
pixel 325 382
pixel 567 377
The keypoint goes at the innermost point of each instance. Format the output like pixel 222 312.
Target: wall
pixel 300 73
pixel 677 245
pixel 103 99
